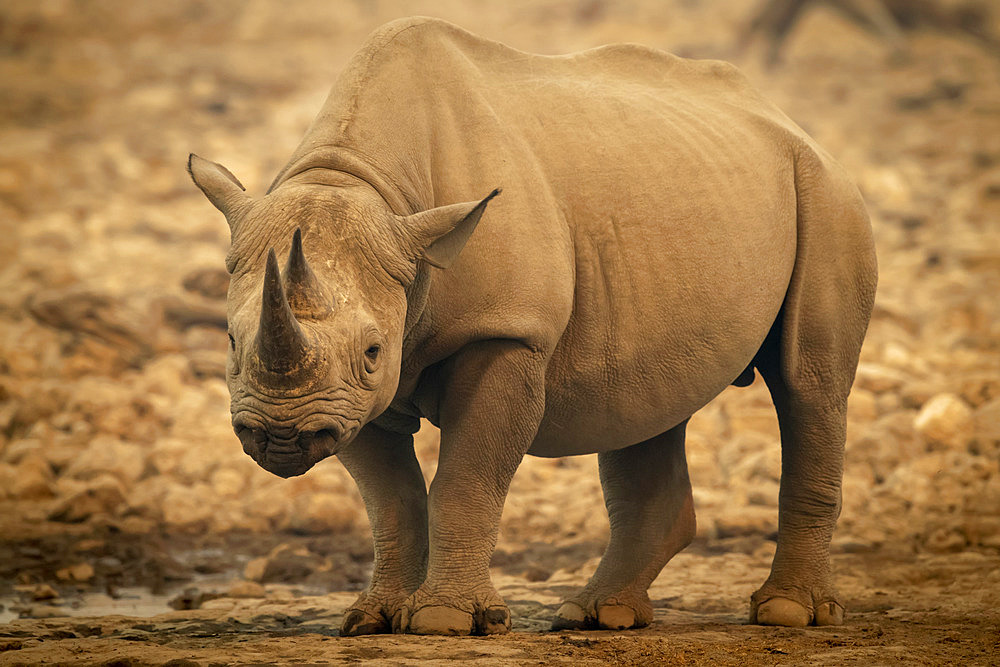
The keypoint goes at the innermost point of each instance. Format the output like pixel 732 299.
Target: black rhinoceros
pixel 663 231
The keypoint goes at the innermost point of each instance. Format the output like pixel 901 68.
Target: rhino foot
pixel 784 611
pixel 619 612
pixel 360 622
pixel 425 613
pixel 370 614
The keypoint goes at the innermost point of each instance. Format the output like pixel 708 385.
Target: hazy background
pixel 118 465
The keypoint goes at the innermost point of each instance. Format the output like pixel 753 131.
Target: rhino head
pixel 315 346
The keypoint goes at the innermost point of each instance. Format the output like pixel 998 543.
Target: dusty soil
pixel 124 493
pixel 923 610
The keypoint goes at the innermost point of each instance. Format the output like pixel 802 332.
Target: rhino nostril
pixel 333 431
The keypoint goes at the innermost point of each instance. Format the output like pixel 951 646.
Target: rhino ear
pixel 439 234
pixel 220 186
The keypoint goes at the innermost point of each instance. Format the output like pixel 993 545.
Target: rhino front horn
pixel 281 344
pixel 305 294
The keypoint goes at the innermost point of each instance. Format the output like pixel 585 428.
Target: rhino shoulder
pixel 417 34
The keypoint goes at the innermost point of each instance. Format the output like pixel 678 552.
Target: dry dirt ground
pixel 124 493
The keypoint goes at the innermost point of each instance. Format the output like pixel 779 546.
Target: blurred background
pixel 118 467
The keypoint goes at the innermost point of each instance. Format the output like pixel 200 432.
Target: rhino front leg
pixel 388 476
pixel 491 404
pixel 648 496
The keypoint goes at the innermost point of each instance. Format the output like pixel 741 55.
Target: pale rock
pixel 764 493
pixel 285 563
pixel 90 544
pixel 280 594
pixel 991 540
pixel 109 455
pixel 219 604
pixel 747 521
pixel 877 378
pixel 44 592
pixel 188 508
pixel 44 611
pixel 946 540
pixel 207 363
pixel 167 453
pixel 701 462
pixel 63 452
pixel 862 406
pixel 199 461
pixel 917 393
pixel 885 403
pixel 254 570
pixel 708 498
pixel 983 530
pixel 146 497
pixel 78 572
pixel 864 534
pixel 980 388
pixel 67 486
pixel 761 465
pixel 888 441
pixel 270 502
pixel 705 529
pixel 898 356
pixel 234 519
pixel 427 440
pixel 915 480
pixel 216 392
pixel 332 477
pixel 167 375
pixel 20 448
pixel 986 425
pixel 762 420
pixel 34 479
pixel 137 525
pixel 322 513
pixel 945 421
pixel 104 496
pixel 247 589
pixel 301 486
pixel 228 483
pixel 8 474
pixel 733 451
pixel 845 541
pixel 891 187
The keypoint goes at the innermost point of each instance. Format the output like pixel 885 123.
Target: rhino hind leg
pixel 808 363
pixel 648 496
pixel 799 590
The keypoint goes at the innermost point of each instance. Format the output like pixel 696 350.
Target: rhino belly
pixel 661 325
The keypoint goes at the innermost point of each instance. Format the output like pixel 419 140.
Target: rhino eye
pixel 371 358
pixel 232 342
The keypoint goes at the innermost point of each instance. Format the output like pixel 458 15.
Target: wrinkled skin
pixel 663 232
pixel 333 396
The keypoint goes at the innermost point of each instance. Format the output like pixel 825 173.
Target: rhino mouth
pixel 290 455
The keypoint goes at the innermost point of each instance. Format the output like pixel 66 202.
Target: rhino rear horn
pixel 303 290
pixel 281 344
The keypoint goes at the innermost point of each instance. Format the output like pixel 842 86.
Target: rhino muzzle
pixel 288 452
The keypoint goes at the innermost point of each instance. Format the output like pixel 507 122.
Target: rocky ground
pixel 123 491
